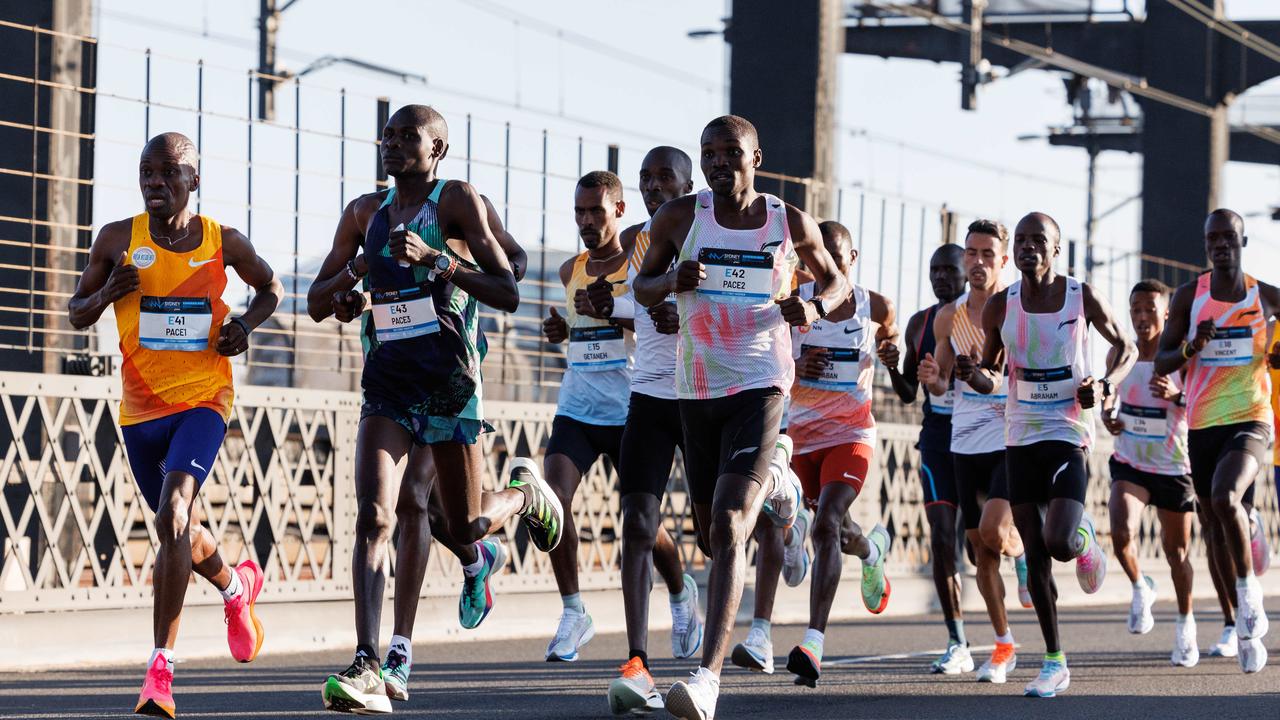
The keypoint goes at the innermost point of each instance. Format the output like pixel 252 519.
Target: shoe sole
pixel 499 563
pixel 1052 693
pixel 340 698
pixel 586 638
pixel 1004 677
pixel 701 624
pixel 743 658
pixel 624 700
pixel 394 694
pixel 800 664
pixel 154 709
pixel 259 581
pixel 1260 653
pixel 547 492
pixel 681 705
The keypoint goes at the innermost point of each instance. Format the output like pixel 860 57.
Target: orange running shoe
pixel 1002 662
pixel 244 631
pixel 156 698
pixel 633 692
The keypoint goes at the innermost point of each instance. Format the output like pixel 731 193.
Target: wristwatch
pixel 442 263
pixel 1107 390
pixel 817 306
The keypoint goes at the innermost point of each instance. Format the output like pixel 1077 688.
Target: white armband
pixel 624 308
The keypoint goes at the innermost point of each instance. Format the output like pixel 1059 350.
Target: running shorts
pixel 649 442
pixel 982 475
pixel 1207 446
pixel 847 463
pixel 583 443
pixel 1046 470
pixel 1174 493
pixel 183 442
pixel 423 428
pixel 937 475
pixel 732 435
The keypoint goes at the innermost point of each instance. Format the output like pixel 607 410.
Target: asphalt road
pixel 875 668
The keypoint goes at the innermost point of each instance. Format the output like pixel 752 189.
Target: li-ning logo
pixel 143 257
pixel 773 244
pixel 1072 321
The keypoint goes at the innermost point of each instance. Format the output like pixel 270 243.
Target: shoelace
pixel 232 609
pixel 394 662
pixel 354 670
pixel 1135 605
pixel 1048 669
pixel 164 680
pixel 680 616
pixel 1002 654
pixel 633 669
pixel 565 630
pixel 756 638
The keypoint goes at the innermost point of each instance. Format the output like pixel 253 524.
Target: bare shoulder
pixel 566 270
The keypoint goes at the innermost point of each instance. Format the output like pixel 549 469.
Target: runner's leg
pixel 380 445
pixel 1126 505
pixel 1175 539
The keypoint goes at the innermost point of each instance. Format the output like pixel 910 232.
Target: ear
pixel 1244 241
pixel 757 157
pixel 853 256
pixel 620 208
pixel 439 148
pixel 195 182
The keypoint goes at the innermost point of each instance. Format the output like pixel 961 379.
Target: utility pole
pixel 268 76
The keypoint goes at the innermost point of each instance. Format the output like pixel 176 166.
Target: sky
pixel 606 72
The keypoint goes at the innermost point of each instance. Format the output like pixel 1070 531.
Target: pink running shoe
pixel 244 631
pixel 1258 544
pixel 156 698
pixel 1091 565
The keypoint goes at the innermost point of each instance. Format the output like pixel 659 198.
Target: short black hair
pixel 835 229
pixel 604 179
pixel 425 116
pixel 983 226
pixel 955 251
pixel 1046 220
pixel 681 162
pixel 737 126
pixel 1151 285
pixel 1231 215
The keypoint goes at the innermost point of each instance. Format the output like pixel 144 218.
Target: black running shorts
pixel 649 443
pixel 979 478
pixel 732 435
pixel 1174 493
pixel 583 443
pixel 1208 445
pixel 1044 471
pixel 937 476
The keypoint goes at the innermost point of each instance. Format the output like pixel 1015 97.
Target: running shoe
pixel 477 597
pixel 1091 565
pixel 786 498
pixel 633 690
pixel 395 675
pixel 1251 617
pixel 574 631
pixel 359 689
pixel 543 516
pixel 1002 662
pixel 954 661
pixel 244 630
pixel 156 698
pixel 875 586
pixel 686 623
pixel 1054 677
pixel 1228 645
pixel 1258 544
pixel 795 556
pixel 1185 652
pixel 1144 596
pixel 696 699
pixel 1024 590
pixel 805 662
pixel 755 653
pixel 1253 655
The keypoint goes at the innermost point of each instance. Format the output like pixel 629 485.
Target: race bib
pixel 402 314
pixel 174 323
pixel 1144 422
pixel 942 404
pixel 1046 387
pixel 742 277
pixel 841 372
pixel 593 349
pixel 1230 346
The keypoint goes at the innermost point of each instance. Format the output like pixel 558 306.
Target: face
pixel 660 181
pixel 1034 246
pixel 946 275
pixel 1224 239
pixel 984 258
pixel 597 215
pixel 407 148
pixel 727 163
pixel 840 247
pixel 1147 311
pixel 167 180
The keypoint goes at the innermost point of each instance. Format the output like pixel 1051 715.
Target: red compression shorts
pixel 846 464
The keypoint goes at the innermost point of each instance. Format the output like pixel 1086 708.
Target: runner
pixel 1148 416
pixel 164 271
pixel 1228 644
pixel 1217 330
pixel 649 442
pixel 978 444
pixel 421 376
pixel 733 362
pixel 835 434
pixel 593 404
pixel 1042 322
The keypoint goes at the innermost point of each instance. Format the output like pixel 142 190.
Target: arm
pixel 108 277
pixel 332 278
pixel 666 236
pixel 1174 352
pixel 904 382
pixel 885 316
pixel 555 327
pixel 239 255
pixel 464 215
pixel 1123 353
pixel 517 258
pixel 944 357
pixel 987 378
pixel 807 240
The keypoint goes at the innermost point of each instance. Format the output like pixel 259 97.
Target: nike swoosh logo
pixel 1247 313
pixel 850 331
pixel 1054 481
pixel 1072 321
pixel 191 262
pixel 198 466
pixel 852 477
pixel 753 448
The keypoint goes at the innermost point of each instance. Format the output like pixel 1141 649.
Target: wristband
pixel 1185 346
pixel 453 266
pixel 351 270
pixel 243 325
pixel 624 308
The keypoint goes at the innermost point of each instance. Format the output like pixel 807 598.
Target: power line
pixel 1226 27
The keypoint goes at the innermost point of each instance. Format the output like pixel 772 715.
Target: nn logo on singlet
pixel 144 257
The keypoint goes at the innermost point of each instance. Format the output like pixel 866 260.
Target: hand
pixel 688 274
pixel 517 271
pixel 362 265
pixel 666 319
pixel 1086 394
pixel 232 340
pixel 812 363
pixel 1113 423
pixel 1273 358
pixel 122 281
pixel 1204 333
pixel 348 305
pixel 927 370
pixel 1162 388
pixel 582 305
pixel 555 327
pixel 600 293
pixel 406 246
pixel 887 351
pixel 797 312
pixel 967 364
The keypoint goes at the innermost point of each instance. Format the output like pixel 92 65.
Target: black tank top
pixel 935 430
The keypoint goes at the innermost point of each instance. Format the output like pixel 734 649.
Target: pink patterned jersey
pixel 1155 431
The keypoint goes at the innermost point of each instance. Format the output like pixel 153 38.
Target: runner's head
pixel 414 141
pixel 1148 308
pixel 167 174
pixel 597 207
pixel 986 252
pixel 1035 244
pixel 839 244
pixel 1224 238
pixel 730 154
pixel 946 272
pixel 665 174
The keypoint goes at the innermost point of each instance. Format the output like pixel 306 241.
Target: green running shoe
pixel 477 597
pixel 875 586
pixel 543 516
pixel 395 676
pixel 358 689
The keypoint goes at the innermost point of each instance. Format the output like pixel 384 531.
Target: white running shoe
pixel 1253 655
pixel 795 556
pixel 1258 544
pixel 1185 651
pixel 1054 677
pixel 1144 596
pixel 1091 566
pixel 997 668
pixel 1251 617
pixel 696 699
pixel 754 654
pixel 954 661
pixel 786 497
pixel 1228 645
pixel 575 631
pixel 686 623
